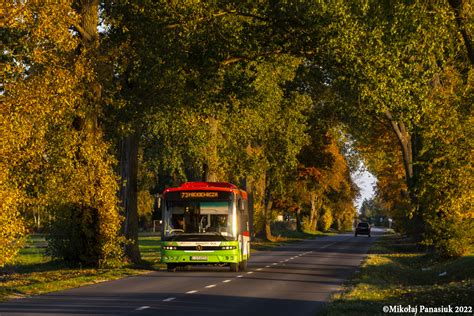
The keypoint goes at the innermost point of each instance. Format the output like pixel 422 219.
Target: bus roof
pixel 208 186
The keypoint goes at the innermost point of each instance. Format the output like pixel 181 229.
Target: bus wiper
pixel 174 231
pixel 220 234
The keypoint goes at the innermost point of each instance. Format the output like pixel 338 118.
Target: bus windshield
pixel 198 217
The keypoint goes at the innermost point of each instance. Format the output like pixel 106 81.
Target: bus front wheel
pixel 234 267
pixel 171 267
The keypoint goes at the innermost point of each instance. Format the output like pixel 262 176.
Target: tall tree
pixel 62 162
pixel 411 51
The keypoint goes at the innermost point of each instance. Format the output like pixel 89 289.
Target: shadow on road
pixel 153 304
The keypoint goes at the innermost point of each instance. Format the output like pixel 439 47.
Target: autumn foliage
pixel 104 104
pixel 51 161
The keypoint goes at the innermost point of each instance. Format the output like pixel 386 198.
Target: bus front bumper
pixel 199 257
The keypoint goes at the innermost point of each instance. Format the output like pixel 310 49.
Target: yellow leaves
pixel 325 220
pixel 46 158
pixel 46 25
pixel 12 227
pixel 145 203
pixel 336 175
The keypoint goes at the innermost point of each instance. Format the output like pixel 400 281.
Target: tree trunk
pixel 37 219
pixel 212 152
pixel 410 145
pixel 259 203
pixel 128 194
pixel 205 172
pixel 298 220
pixel 267 208
pixel 314 211
pixel 247 185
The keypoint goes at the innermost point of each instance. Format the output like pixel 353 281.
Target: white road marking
pixel 191 292
pixel 239 276
pixel 226 281
pixel 250 272
pixel 169 299
pixel 259 269
pixel 142 308
pixel 327 245
pixel 209 286
pixel 267 266
pixel 332 244
pixel 274 264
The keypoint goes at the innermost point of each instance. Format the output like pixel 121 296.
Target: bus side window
pixel 244 218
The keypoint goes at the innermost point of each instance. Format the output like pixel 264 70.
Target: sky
pixel 366 182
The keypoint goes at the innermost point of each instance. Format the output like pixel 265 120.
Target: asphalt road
pixel 291 280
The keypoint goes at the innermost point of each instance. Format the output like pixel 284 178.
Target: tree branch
pixel 456 5
pixel 394 124
pixel 405 143
pixel 86 36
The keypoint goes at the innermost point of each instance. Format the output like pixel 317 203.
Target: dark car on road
pixel 362 229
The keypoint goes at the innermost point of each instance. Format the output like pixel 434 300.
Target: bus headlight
pixel 228 247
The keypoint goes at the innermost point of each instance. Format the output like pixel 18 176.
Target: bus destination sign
pixel 199 195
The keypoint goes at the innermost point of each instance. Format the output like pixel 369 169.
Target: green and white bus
pixel 205 223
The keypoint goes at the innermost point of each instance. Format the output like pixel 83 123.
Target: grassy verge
pixel 150 250
pixel 396 273
pixel 35 272
pixel 284 237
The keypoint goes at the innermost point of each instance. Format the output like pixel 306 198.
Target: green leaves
pixel 403 60
pixel 250 90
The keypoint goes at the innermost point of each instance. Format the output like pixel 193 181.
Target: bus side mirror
pixel 241 205
pixel 157 212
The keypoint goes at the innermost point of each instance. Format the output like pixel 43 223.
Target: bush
pixel 452 237
pixel 325 220
pixel 74 235
pixel 86 220
pixel 346 223
pixel 306 224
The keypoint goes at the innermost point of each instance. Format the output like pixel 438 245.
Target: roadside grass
pixel 283 237
pixel 150 251
pixel 35 273
pixel 397 273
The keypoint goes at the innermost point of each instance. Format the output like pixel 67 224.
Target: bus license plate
pixel 199 258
